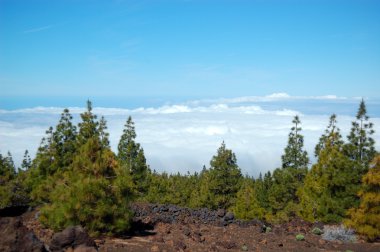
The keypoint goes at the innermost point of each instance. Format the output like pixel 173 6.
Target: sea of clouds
pixel 184 137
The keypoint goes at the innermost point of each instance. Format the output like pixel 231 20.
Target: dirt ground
pixel 206 237
pixel 193 237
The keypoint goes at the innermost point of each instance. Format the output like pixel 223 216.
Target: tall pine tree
pixel 286 180
pixel 361 145
pixel 131 157
pixel 53 157
pixel 329 188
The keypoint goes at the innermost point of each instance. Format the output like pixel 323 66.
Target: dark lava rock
pixel 229 217
pixel 71 237
pixel 16 237
pixel 13 211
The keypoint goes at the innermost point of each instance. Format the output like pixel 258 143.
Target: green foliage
pixel 262 187
pixel 300 237
pixel 171 189
pixel 131 157
pixel 366 218
pixel 282 194
pixel 7 169
pixel 224 178
pixel 26 161
pixel 12 191
pixel 53 157
pixel 330 186
pixel 89 127
pixel 331 129
pixel 93 190
pixel 295 156
pixel 361 145
pixel 247 206
pixel 7 175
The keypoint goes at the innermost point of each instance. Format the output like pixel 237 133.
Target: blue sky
pixel 192 73
pixel 186 49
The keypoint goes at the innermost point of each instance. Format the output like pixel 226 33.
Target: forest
pixel 75 178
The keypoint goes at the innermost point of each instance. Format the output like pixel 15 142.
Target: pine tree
pixel 225 178
pixel 331 129
pixel 295 156
pixel 26 161
pixel 286 181
pixel 94 191
pixel 7 169
pixel 54 156
pixel 361 145
pixel 131 157
pixel 262 187
pixel 103 134
pixel 88 128
pixel 329 188
pixel 64 141
pixel 247 206
pixel 366 218
pixel 7 176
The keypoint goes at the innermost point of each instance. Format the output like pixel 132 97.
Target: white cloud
pixel 269 98
pixel 184 137
pixel 38 29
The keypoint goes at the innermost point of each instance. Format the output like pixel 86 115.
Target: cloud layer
pixel 184 137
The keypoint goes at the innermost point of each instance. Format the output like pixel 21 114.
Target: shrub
pixel 317 231
pixel 339 233
pixel 300 237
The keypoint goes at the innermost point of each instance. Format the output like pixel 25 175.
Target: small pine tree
pixel 224 178
pixel 26 161
pixel 366 218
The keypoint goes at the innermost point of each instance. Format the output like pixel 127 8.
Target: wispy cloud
pixel 38 29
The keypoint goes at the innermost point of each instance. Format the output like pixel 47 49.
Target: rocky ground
pixel 171 228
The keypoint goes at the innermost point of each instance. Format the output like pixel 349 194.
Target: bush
pixel 300 237
pixel 339 233
pixel 317 231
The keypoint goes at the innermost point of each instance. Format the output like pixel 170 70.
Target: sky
pixel 191 72
pixel 189 48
